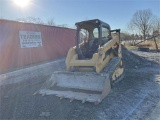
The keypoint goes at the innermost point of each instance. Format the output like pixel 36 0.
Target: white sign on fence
pixel 30 39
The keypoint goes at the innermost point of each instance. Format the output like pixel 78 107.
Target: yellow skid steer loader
pixel 92 66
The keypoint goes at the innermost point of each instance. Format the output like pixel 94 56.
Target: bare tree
pixel 51 22
pixel 39 21
pixel 156 26
pixel 63 25
pixel 31 20
pixel 142 22
pixel 125 36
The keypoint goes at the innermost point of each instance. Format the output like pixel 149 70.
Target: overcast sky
pixel 117 13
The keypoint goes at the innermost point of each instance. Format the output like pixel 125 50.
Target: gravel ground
pixel 152 56
pixel 137 96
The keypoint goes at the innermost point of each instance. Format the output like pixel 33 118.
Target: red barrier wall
pixel 56 42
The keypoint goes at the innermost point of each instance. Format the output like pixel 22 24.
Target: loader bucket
pixel 91 87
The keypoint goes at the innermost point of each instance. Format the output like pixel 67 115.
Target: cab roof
pixel 92 24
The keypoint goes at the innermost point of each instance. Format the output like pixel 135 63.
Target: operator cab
pixel 90 36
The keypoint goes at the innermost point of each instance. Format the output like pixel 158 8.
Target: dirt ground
pixel 137 96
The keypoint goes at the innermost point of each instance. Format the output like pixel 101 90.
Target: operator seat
pixel 91 42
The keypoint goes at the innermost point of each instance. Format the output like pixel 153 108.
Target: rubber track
pixel 111 67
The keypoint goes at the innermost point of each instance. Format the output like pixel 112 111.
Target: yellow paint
pixel 99 60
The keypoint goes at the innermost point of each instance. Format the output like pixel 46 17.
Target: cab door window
pixel 105 35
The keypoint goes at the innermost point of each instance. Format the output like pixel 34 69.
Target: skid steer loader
pixel 92 66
